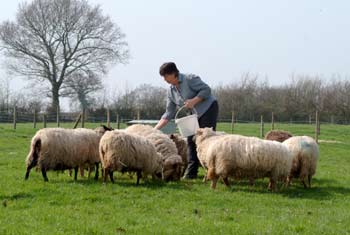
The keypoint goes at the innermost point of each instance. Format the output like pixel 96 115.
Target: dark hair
pixel 168 68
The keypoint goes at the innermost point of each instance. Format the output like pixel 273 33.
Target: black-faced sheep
pixel 60 149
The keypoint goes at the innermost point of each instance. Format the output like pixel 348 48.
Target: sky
pixel 221 40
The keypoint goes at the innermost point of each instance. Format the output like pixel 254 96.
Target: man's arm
pixel 162 122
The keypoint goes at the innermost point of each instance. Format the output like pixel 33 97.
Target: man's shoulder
pixel 189 76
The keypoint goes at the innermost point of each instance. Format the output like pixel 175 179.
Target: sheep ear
pixel 171 136
pixel 107 128
pixel 199 131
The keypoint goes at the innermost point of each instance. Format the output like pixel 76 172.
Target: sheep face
pixel 102 130
pixel 172 169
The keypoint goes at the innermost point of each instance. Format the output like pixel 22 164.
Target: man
pixel 190 91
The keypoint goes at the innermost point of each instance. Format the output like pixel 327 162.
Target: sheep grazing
pixel 182 149
pixel 305 153
pixel 242 157
pixel 172 162
pixel 126 152
pixel 278 135
pixel 60 149
pixel 90 168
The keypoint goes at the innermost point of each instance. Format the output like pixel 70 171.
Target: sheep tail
pixel 32 159
pixel 211 169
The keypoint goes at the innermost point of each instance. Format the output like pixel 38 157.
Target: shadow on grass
pixel 16 196
pixel 126 182
pixel 322 189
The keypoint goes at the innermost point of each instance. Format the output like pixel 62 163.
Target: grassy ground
pixel 63 206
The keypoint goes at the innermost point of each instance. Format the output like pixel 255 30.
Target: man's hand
pixel 192 102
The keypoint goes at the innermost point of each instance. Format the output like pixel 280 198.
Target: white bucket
pixel 187 125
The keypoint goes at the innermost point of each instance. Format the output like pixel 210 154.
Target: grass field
pixel 62 206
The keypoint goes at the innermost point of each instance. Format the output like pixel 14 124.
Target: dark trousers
pixel 208 119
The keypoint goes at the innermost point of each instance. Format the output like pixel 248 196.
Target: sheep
pixel 278 135
pixel 127 152
pixel 305 153
pixel 242 157
pixel 60 149
pixel 182 148
pixel 90 168
pixel 172 162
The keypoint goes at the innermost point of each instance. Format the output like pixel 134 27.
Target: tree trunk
pixel 55 103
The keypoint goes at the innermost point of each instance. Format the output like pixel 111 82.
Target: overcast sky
pixel 220 40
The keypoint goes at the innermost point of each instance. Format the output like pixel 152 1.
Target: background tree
pixel 52 39
pixel 80 86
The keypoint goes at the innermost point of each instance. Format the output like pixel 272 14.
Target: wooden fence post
pixel 261 127
pixel 108 118
pixel 272 121
pixel 58 116
pixel 118 123
pixel 138 115
pixel 316 127
pixel 232 121
pixel 83 118
pixel 77 121
pixel 34 119
pixel 44 120
pixel 14 118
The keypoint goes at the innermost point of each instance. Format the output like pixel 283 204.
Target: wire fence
pixel 68 117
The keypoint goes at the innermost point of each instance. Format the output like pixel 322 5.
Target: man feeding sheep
pixel 190 91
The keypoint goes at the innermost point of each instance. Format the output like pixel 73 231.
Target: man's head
pixel 169 72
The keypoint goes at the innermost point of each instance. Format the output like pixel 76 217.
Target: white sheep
pixel 305 154
pixel 242 157
pixel 172 162
pixel 127 152
pixel 60 149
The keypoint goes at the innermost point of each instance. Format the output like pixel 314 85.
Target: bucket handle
pixel 178 111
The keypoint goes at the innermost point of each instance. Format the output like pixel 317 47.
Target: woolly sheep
pixel 61 149
pixel 278 135
pixel 305 153
pixel 127 152
pixel 172 162
pixel 242 157
pixel 182 149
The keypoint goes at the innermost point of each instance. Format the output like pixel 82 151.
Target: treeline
pixel 249 98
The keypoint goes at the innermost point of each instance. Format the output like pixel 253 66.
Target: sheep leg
pixel 96 171
pixel 303 182
pixel 205 178
pixel 76 173
pixel 43 172
pixel 272 185
pixel 81 169
pixel 104 175
pixel 139 175
pixel 213 182
pixel 27 173
pixel 309 177
pixel 226 182
pixel 251 181
pixel 111 176
pixel 289 180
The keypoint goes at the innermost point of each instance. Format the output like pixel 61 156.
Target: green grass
pixel 63 206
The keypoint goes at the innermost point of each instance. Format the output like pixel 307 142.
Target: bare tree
pixel 79 87
pixel 52 39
